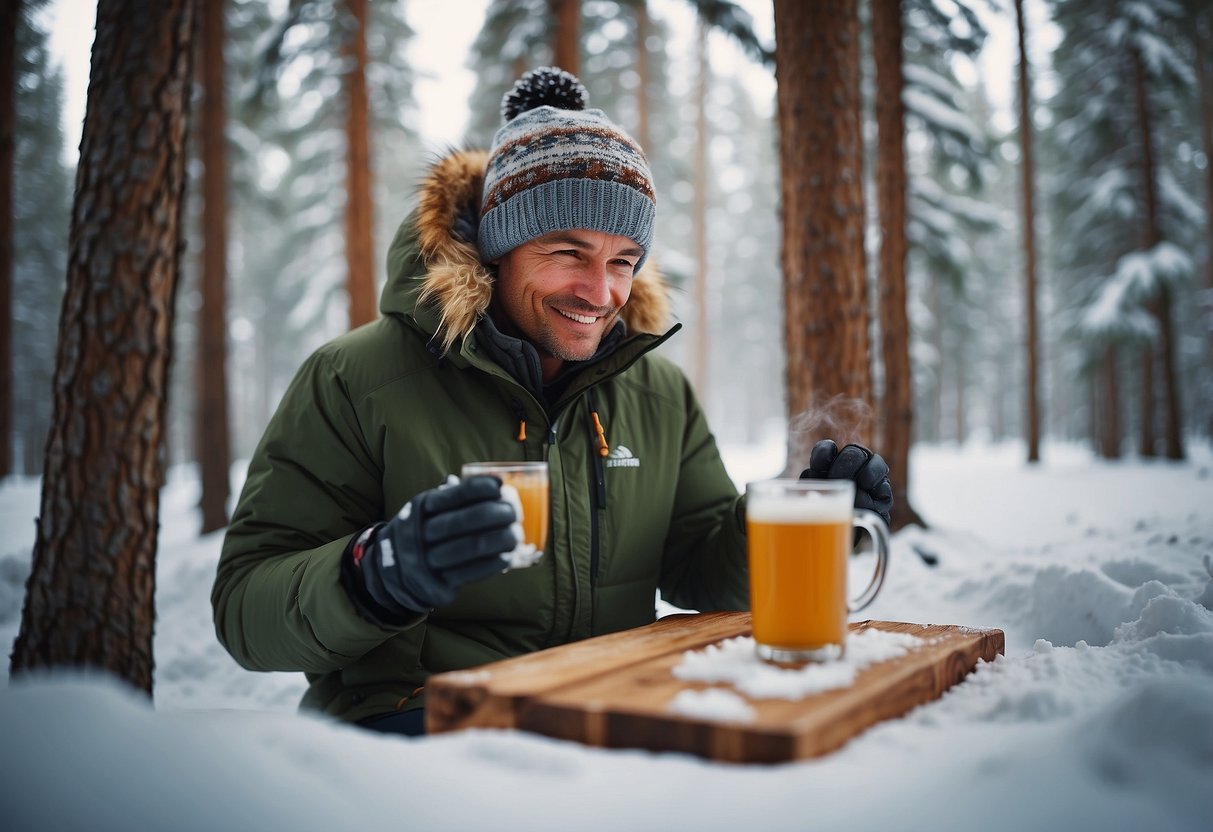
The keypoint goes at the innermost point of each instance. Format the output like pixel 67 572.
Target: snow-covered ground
pixel 1100 716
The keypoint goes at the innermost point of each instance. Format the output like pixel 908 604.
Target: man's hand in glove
pixel 441 540
pixel 854 462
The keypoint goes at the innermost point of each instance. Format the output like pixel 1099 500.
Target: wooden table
pixel 615 691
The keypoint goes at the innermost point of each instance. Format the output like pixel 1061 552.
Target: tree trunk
pixel 699 220
pixel 1029 238
pixel 961 416
pixel 821 159
pixel 897 404
pixel 644 28
pixel 1173 430
pixel 1202 33
pixel 935 301
pixel 566 15
pixel 211 416
pixel 10 17
pixel 90 599
pixel 359 210
pixel 1108 440
pixel 1160 305
pixel 1146 431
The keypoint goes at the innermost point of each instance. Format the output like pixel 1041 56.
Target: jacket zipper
pixel 598 488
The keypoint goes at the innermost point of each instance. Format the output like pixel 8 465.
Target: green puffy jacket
pixel 393 407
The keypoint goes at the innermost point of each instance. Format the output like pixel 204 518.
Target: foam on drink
pixel 799 509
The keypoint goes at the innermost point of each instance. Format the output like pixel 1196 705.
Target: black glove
pixel 442 539
pixel 854 462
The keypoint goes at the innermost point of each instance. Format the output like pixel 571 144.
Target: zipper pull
pixel 520 415
pixel 603 448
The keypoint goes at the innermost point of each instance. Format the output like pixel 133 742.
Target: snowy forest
pixel 974 235
pixel 1117 167
pixel 1040 272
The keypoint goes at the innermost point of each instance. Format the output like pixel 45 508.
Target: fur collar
pixel 459 286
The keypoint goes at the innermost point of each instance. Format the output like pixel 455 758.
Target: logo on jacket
pixel 622 457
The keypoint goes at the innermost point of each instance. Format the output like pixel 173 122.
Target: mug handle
pixel 874 525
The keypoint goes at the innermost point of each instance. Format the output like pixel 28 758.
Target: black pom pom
pixel 546 85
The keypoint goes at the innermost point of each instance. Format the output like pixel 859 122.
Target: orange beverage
pixel 533 491
pixel 798 571
pixel 531 481
pixel 799 539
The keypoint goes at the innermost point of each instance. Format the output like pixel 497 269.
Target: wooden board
pixel 615 691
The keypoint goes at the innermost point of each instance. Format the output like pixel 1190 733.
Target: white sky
pixel 445 30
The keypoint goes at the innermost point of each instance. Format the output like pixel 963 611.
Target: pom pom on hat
pixel 557 166
pixel 546 86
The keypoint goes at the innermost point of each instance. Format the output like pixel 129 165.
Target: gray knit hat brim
pixel 565 205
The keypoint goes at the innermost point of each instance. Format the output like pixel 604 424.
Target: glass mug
pixel 799 537
pixel 531 481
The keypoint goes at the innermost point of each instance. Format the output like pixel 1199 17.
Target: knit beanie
pixel 556 166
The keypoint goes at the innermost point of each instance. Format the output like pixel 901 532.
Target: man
pixel 518 323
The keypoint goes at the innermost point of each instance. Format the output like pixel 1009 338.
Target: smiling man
pixel 519 323
pixel 563 292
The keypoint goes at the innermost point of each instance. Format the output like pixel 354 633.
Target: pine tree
pixel 42 191
pixel 1122 84
pixel 10 15
pixel 743 244
pixel 948 152
pixel 211 415
pixel 359 208
pixel 821 159
pixel 1029 236
pixel 90 599
pixel 896 403
pixel 287 147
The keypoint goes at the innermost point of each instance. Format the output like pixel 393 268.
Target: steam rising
pixel 842 418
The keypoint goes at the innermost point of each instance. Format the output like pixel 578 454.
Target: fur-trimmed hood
pixel 434 273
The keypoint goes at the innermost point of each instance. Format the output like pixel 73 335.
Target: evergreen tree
pixel 821 150
pixel 746 347
pixel 42 192
pixel 1118 106
pixel 286 152
pixel 947 153
pixel 90 598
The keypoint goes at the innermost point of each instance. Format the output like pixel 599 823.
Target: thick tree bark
pixel 821 159
pixel 1160 305
pixel 90 600
pixel 566 17
pixel 359 209
pixel 211 417
pixel 897 403
pixel 1028 222
pixel 699 220
pixel 10 16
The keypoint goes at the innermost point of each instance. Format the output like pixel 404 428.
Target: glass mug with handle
pixel 799 538
pixel 530 480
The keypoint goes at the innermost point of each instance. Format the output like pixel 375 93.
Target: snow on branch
pixel 940 115
pixel 1116 311
pixel 1112 316
pixel 1161 59
pixel 1178 200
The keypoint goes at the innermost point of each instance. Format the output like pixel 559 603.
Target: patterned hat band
pixel 556 166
